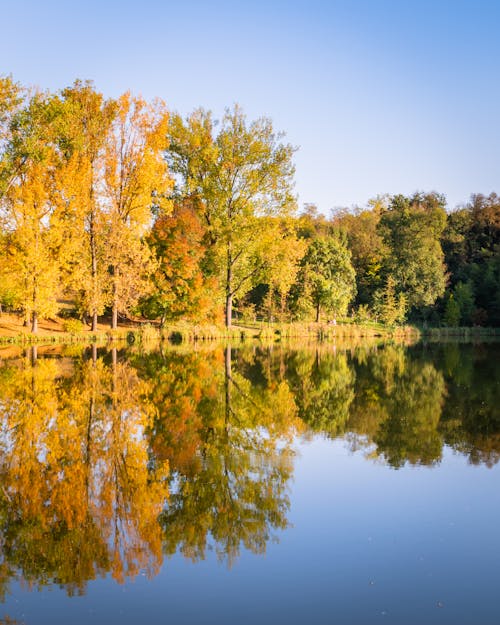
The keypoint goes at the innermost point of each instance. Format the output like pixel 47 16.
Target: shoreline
pixel 53 332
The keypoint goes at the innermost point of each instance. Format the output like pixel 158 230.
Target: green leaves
pixel 327 278
pixel 236 177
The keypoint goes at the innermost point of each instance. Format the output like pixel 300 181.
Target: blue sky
pixel 380 96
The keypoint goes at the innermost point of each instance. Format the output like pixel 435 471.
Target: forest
pixel 123 209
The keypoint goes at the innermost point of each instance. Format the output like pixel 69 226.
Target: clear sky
pixel 380 96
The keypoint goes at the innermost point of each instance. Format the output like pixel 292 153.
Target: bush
pixel 73 326
pixel 362 314
pixel 148 332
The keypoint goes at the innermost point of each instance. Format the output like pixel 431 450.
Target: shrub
pixel 73 326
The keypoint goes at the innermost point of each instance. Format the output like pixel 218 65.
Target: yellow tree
pixel 282 256
pixel 136 182
pixel 29 207
pixel 82 134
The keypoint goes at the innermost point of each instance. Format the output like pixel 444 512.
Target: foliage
pixel 367 248
pixel 471 242
pixel 30 211
pixel 180 288
pixel 135 180
pixel 390 307
pixel 118 207
pixel 236 178
pixel 326 279
pixel 73 326
pixel 411 228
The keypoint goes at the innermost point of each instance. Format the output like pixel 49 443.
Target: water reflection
pixel 110 460
pixel 228 442
pixel 79 497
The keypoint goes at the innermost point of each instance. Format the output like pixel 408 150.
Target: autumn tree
pixel 180 287
pixel 238 176
pixel 30 212
pixel 237 493
pixel 284 253
pixel 86 122
pixel 136 181
pixel 80 496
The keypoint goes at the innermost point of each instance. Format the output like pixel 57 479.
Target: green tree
pixel 366 246
pixel 388 305
pixel 411 228
pixel 238 176
pixel 326 280
pixel 471 242
pixel 452 312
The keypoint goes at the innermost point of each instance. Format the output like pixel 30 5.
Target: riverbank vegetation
pixel 119 210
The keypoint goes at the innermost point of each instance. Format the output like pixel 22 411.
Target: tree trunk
pixel 229 286
pixel 114 310
pixel 229 309
pixel 34 322
pixel 93 255
pixel 318 308
pixel 114 317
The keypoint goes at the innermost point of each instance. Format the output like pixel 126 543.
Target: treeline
pixel 119 207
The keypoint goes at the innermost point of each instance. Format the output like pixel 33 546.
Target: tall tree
pixel 82 135
pixel 29 209
pixel 471 242
pixel 136 181
pixel 239 175
pixel 411 228
pixel 327 280
pixel 366 246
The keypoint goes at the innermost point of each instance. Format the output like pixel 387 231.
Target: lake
pixel 250 484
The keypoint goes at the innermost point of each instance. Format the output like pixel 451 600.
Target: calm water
pixel 250 485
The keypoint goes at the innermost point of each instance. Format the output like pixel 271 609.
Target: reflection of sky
pixel 381 96
pixel 368 544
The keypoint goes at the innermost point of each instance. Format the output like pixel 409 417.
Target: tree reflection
pixel 229 485
pixel 471 417
pixel 79 497
pixel 109 460
pixel 323 383
pixel 397 410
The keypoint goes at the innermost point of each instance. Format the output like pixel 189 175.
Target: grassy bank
pixel 59 331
